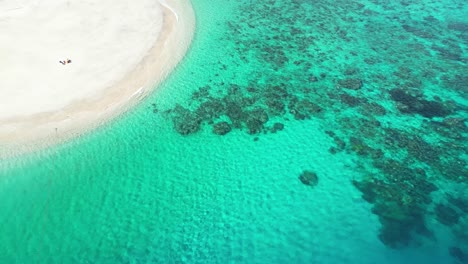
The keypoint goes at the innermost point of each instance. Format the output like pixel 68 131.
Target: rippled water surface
pixel 293 132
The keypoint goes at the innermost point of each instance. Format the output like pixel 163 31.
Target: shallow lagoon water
pixel 368 95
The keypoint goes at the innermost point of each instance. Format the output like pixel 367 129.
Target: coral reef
pixel 397 104
pixel 353 84
pixel 221 128
pixel 408 103
pixel 309 178
pixel 446 215
pixel 400 197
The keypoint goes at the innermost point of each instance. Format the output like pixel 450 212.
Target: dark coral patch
pixel 221 128
pixel 350 100
pixel 350 83
pixel 419 32
pixel 309 178
pixel 185 121
pixel 303 109
pixel 458 26
pixel 408 103
pixel 400 197
pixel 277 127
pixel 446 214
pixel 210 110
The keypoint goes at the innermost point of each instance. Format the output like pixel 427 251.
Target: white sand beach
pixel 119 51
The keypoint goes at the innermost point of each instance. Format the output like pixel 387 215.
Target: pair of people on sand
pixel 67 61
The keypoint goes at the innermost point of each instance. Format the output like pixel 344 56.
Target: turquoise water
pixel 370 97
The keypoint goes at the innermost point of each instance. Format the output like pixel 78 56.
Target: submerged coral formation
pixel 386 86
pixel 245 108
pixel 400 196
pixel 407 103
pixel 309 178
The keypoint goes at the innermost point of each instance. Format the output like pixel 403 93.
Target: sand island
pixel 115 51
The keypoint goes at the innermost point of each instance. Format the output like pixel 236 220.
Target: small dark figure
pixel 65 61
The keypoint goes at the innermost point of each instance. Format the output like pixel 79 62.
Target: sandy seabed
pixel 119 50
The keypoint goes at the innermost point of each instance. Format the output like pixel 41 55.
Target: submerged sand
pixel 119 51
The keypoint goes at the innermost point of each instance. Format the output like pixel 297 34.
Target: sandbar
pixel 119 51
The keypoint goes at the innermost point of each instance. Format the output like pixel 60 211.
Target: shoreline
pixel 20 135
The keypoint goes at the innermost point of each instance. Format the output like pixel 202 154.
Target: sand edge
pixel 20 135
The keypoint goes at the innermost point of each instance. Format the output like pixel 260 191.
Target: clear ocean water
pixel 293 132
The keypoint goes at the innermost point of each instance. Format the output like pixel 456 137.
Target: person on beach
pixel 65 61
